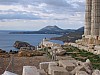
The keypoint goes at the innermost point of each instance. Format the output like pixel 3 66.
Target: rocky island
pixel 19 44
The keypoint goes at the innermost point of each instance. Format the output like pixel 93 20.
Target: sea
pixel 7 40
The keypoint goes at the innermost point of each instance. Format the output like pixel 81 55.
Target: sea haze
pixel 7 40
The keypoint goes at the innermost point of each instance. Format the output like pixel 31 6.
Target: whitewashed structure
pixel 46 43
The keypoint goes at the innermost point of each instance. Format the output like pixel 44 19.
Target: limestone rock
pixel 83 66
pixel 56 70
pixel 4 54
pixel 30 53
pixel 96 72
pixel 51 64
pixel 61 53
pixel 67 65
pixel 78 68
pixel 81 73
pixel 88 66
pixel 45 65
pixel 42 72
pixel 8 73
pixel 30 70
pixel 2 51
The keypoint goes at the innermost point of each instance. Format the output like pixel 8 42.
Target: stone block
pixel 88 67
pixel 51 64
pixel 68 60
pixel 78 68
pixel 68 65
pixel 82 67
pixel 56 70
pixel 42 72
pixel 45 65
pixel 8 73
pixel 81 73
pixel 96 72
pixel 30 70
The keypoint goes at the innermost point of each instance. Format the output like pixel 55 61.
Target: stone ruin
pixel 62 67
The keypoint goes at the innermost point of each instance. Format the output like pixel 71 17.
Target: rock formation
pixel 69 67
pixel 19 44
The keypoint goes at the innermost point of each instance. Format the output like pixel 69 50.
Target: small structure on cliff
pixel 46 43
pixel 53 48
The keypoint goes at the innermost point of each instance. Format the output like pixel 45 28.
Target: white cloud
pixel 42 12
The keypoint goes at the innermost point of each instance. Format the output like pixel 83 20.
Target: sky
pixel 35 14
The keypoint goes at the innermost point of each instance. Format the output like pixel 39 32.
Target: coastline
pixel 7 40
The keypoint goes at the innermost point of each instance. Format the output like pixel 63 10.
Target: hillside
pixel 47 30
pixel 72 36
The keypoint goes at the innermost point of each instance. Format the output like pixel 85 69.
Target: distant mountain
pixel 80 29
pixel 72 36
pixel 51 28
pixel 47 30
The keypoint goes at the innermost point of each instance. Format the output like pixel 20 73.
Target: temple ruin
pixel 91 39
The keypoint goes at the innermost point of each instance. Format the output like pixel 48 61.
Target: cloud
pixel 41 9
pixel 19 16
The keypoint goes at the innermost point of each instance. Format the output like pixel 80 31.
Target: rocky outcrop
pixel 61 53
pixel 4 54
pixel 29 53
pixel 2 51
pixel 19 44
pixel 69 67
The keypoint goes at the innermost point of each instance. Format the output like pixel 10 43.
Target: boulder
pixel 30 53
pixel 4 54
pixel 56 70
pixel 42 72
pixel 2 51
pixel 30 70
pixel 45 65
pixel 8 73
pixel 78 68
pixel 69 66
pixel 13 52
pixel 19 44
pixel 61 53
pixel 96 72
pixel 23 53
pixel 51 64
pixel 82 67
pixel 88 66
pixel 81 73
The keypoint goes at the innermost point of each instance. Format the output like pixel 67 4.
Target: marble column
pixel 87 29
pixel 95 21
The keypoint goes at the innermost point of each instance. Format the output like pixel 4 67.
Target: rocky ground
pixel 19 62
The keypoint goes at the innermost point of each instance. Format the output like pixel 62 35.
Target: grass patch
pixel 82 55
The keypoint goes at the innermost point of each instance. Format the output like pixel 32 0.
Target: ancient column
pixel 95 21
pixel 87 30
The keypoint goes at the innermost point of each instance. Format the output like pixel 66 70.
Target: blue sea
pixel 7 40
